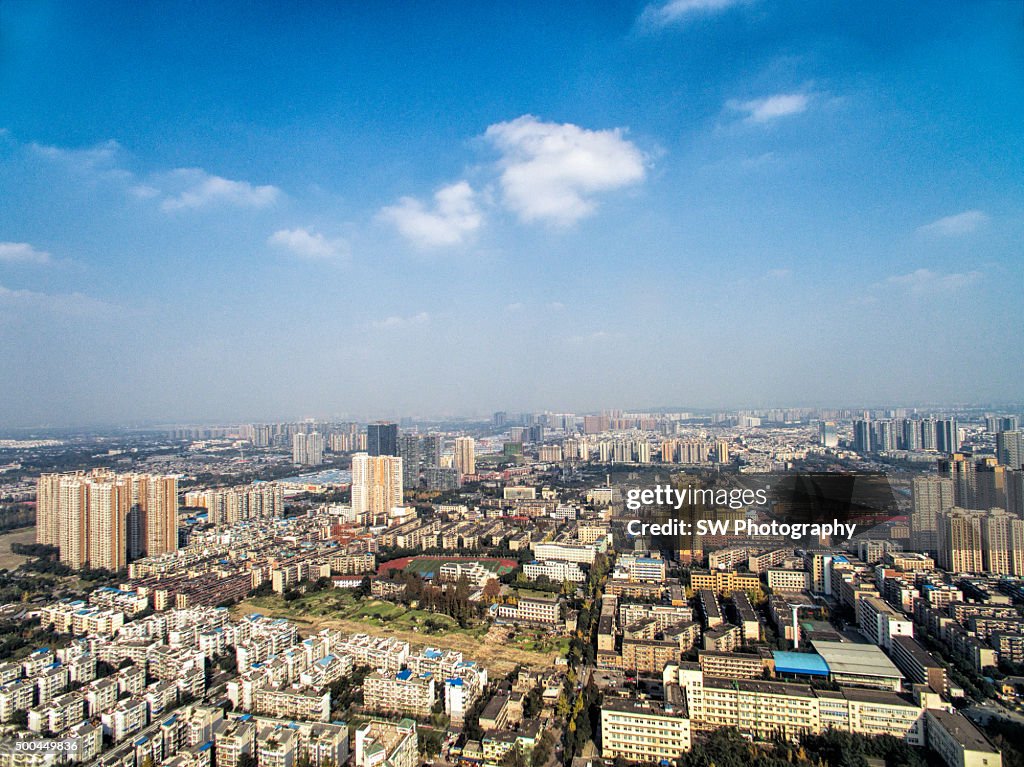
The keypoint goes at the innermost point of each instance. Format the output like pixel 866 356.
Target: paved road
pixel 982 713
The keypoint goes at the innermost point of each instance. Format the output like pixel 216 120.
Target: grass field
pixel 338 604
pixel 540 641
pixel 428 567
pixel 498 648
pixel 8 559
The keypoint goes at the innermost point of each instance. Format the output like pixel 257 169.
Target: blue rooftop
pixel 807 663
pixel 404 675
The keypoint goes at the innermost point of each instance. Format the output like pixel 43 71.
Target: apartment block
pixel 644 732
pixel 402 693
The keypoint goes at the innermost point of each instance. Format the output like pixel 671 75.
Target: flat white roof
pixel 847 658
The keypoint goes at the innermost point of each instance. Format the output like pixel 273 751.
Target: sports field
pixel 428 567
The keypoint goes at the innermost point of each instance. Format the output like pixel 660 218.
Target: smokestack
pixel 796 627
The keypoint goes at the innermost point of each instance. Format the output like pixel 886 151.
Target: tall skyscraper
pixel 911 435
pixel 961 469
pixel 382 438
pixel 947 435
pixel 299 449
pixel 960 547
pixel 376 486
pixel 48 509
pixel 885 436
pixel 930 497
pixel 1010 448
pixel 862 437
pixel 410 453
pixel 1015 492
pixel 929 435
pixel 989 484
pixel 106 528
pixel 828 435
pixel 161 515
pixel 418 453
pixel 465 455
pixel 74 521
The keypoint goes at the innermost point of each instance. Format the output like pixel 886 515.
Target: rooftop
pixel 849 659
pixel 808 663
pixel 963 731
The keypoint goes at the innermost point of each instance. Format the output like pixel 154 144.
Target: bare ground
pixel 491 651
pixel 9 559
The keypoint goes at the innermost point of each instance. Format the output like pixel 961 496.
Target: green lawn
pixel 540 641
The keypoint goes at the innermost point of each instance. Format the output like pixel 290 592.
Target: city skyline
pixel 242 213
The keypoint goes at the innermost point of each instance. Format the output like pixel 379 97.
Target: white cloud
pixel 770 108
pixel 396 321
pixel 95 157
pixel 308 244
pixel 195 188
pixel 144 191
pixel 69 304
pixel 516 306
pixel 597 336
pixel 454 216
pixel 927 282
pixel 957 224
pixel 22 253
pixel 659 15
pixel 550 171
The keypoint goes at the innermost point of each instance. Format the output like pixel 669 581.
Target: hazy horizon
pixel 209 213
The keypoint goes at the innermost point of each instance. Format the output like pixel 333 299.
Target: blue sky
pixel 217 211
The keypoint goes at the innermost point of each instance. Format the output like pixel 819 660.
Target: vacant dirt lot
pixel 491 651
pixel 9 559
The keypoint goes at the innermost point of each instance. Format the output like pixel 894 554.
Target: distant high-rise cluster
pixel 997 423
pixel 225 506
pixel 308 449
pixel 104 520
pixel 376 485
pixel 338 437
pixel 941 435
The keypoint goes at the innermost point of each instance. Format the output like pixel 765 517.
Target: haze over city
pixel 228 211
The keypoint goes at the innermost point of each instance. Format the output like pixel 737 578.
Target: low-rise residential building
pixel 958 742
pixel 404 692
pixel 386 744
pixel 644 732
